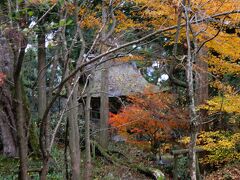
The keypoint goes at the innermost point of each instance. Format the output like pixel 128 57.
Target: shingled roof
pixel 124 79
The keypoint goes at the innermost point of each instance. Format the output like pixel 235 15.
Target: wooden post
pixel 175 174
pixel 198 169
pixel 93 151
pixel 176 153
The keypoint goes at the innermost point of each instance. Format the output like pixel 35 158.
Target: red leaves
pixel 152 115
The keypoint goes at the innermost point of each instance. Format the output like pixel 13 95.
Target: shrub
pixel 222 147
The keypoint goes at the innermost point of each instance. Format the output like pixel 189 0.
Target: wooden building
pixel 124 79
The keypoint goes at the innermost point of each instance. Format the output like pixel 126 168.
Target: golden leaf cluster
pixel 221 147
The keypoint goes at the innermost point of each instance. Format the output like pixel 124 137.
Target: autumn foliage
pixel 150 119
pixel 221 147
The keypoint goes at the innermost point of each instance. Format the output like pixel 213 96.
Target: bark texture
pixel 201 87
pixel 104 102
pixel 192 108
pixel 42 94
pixel 18 44
pixel 7 118
pixel 21 131
pixel 88 165
pixel 74 132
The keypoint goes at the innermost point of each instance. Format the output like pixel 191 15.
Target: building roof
pixel 124 79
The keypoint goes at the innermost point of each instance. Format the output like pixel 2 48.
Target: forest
pixel 120 89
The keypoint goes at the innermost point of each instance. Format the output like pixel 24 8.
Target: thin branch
pixel 138 41
pixel 62 114
pixel 200 47
pixel 43 16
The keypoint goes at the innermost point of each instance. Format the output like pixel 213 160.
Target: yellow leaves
pixel 228 50
pixel 157 10
pixel 215 6
pixel 222 150
pixel 221 67
pixel 90 21
pixel 130 58
pixel 228 104
pixel 221 147
pixel 224 88
pixel 227 45
pixel 124 23
pixel 151 14
pixel 185 140
pixel 127 24
pixel 226 144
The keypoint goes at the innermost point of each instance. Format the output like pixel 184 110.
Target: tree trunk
pixel 42 102
pixel 21 131
pixel 7 118
pixel 104 102
pixel 65 152
pixel 201 81
pixel 74 138
pixel 18 43
pixel 201 87
pixel 42 95
pixel 192 108
pixel 88 165
pixel 104 108
pixel 8 140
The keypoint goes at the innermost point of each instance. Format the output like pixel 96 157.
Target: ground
pixel 104 169
pixel 107 171
pixel 230 172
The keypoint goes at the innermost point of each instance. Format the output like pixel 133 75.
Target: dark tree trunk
pixel 7 123
pixel 7 119
pixel 21 131
pixel 42 95
pixel 18 43
pixel 7 137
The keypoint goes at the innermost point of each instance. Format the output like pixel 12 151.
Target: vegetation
pixel 64 116
pixel 150 120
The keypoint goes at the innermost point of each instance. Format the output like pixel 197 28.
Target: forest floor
pixel 103 169
pixel 229 172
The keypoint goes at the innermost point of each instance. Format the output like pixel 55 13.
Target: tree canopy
pixel 52 52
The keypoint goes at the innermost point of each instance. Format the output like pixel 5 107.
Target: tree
pixel 108 31
pixel 19 43
pixel 7 118
pixel 150 119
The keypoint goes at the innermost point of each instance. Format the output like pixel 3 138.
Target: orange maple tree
pixel 150 119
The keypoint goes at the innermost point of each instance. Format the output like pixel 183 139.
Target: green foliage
pixel 8 167
pixel 33 138
pixel 64 22
pixel 182 170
